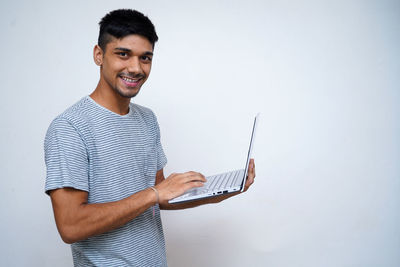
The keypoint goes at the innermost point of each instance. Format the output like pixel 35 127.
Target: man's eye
pixel 123 54
pixel 146 58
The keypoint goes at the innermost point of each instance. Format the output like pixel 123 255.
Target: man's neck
pixel 111 100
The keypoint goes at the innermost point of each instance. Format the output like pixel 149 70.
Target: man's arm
pixel 191 204
pixel 77 220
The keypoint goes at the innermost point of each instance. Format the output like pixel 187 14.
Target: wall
pixel 323 74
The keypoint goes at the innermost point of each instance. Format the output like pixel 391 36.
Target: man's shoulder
pixel 74 114
pixel 143 111
pixel 76 110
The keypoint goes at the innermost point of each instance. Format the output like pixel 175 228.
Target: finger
pixel 248 184
pixel 251 170
pixel 251 165
pixel 249 181
pixel 195 176
pixel 191 185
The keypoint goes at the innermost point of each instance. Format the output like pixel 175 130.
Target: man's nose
pixel 134 66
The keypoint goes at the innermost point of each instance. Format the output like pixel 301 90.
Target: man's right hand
pixel 177 184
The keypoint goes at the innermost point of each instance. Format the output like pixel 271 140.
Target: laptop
pixel 223 183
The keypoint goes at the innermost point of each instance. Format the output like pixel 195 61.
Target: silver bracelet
pixel 155 190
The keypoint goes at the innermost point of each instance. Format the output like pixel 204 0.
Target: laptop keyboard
pixel 222 181
pixel 216 183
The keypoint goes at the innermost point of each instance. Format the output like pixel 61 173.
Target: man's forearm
pixel 81 221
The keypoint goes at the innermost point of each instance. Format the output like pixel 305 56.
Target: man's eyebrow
pixel 123 49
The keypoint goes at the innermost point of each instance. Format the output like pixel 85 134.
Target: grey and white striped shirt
pixel 111 157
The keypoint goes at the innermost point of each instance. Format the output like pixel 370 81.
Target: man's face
pixel 126 64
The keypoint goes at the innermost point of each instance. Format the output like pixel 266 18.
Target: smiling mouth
pixel 130 82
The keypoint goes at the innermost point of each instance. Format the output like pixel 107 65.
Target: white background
pixel 323 74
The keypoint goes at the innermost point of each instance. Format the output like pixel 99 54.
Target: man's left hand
pixel 251 174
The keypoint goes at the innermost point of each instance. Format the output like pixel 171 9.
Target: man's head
pixel 124 52
pixel 122 22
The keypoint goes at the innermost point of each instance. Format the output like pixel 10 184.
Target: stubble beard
pixel 125 94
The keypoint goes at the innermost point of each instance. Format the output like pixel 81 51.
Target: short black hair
pixel 122 22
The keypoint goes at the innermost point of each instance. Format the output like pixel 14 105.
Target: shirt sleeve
pixel 65 157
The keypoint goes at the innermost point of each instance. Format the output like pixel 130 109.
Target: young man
pixel 105 161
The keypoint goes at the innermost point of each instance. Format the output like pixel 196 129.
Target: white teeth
pixel 129 80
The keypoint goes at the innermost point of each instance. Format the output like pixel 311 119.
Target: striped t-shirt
pixel 90 148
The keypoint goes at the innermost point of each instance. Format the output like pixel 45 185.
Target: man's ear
pixel 98 55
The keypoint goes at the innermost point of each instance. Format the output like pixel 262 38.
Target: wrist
pixel 157 196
